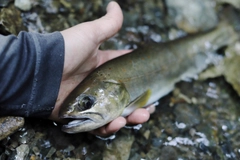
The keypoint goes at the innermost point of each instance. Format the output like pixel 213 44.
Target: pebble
pixel 22 152
pixel 24 5
pixel 119 148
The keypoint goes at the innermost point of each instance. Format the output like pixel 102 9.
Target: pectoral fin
pixel 139 102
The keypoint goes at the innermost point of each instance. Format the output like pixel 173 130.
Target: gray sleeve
pixel 31 67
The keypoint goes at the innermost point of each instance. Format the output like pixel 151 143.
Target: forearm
pixel 30 73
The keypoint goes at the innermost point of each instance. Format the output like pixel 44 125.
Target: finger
pixel 151 108
pixel 110 128
pixel 107 55
pixel 96 31
pixel 140 115
pixel 110 24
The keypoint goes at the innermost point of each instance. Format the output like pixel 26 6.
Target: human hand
pixel 82 55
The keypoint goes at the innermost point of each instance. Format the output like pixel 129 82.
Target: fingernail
pixel 151 109
pixel 110 5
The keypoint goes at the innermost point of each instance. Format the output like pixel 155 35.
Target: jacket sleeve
pixel 31 67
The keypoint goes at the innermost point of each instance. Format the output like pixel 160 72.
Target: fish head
pixel 93 105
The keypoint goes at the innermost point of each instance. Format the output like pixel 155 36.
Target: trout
pixel 139 78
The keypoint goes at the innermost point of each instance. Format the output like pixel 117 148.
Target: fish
pixel 139 78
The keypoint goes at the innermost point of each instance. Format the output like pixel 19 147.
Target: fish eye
pixel 86 102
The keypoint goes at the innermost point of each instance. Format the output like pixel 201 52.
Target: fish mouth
pixel 74 122
pixel 77 120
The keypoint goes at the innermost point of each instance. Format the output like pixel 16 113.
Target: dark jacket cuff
pixel 30 73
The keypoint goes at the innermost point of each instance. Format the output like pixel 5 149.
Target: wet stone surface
pixel 10 20
pixel 4 3
pixel 188 17
pixel 228 67
pixel 199 121
pixel 9 125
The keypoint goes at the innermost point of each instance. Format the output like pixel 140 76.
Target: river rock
pixel 228 67
pixel 22 152
pixel 192 15
pixel 10 20
pixel 168 153
pixel 187 115
pixel 235 3
pixel 9 125
pixel 24 5
pixel 120 148
pixel 4 3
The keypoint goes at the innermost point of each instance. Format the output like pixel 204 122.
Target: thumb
pixel 110 24
pixel 95 31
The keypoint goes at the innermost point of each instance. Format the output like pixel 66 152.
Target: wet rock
pixel 165 153
pixel 36 150
pixel 228 67
pixel 168 153
pixel 169 127
pixel 235 3
pixel 4 3
pixel 51 152
pixel 153 153
pixel 192 15
pixel 58 22
pixel 186 116
pixel 153 13
pixel 68 149
pixel 174 34
pixel 22 152
pixel 26 136
pixel 120 148
pixel 147 134
pixel 33 22
pixel 51 6
pixel 24 5
pixel 9 125
pixel 10 21
pixel 81 151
